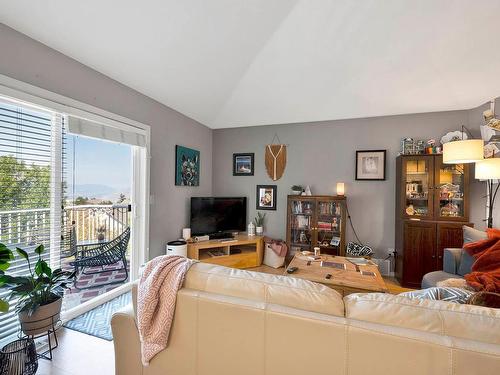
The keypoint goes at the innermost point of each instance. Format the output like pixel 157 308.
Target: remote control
pixel 292 269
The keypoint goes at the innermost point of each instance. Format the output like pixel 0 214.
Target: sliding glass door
pixel 66 182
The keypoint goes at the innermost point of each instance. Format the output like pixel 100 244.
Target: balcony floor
pixel 74 297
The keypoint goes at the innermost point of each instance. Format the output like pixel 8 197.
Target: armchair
pixel 456 264
pixel 100 255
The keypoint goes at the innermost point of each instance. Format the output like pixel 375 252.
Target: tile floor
pixel 96 283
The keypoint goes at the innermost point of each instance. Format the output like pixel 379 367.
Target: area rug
pixel 97 322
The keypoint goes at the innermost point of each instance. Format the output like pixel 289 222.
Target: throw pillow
pixel 447 294
pixel 473 235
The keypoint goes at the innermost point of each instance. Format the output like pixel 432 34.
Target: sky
pixel 99 162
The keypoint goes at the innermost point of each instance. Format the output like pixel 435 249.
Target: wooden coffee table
pixel 346 280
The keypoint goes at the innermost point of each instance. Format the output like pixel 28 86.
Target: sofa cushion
pixel 466 262
pixel 473 235
pixel 446 318
pixel 432 278
pixel 256 286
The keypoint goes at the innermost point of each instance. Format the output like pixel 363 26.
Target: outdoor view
pixel 97 209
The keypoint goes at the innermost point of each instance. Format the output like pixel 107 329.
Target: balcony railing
pixel 92 223
pixel 95 221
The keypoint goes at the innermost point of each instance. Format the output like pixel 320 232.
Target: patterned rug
pixel 97 322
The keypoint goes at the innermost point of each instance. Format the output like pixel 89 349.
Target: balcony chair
pixel 100 255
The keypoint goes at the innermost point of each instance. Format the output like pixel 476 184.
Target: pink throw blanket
pixel 278 246
pixel 157 293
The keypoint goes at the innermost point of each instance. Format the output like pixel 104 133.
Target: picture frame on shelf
pixel 370 165
pixel 187 166
pixel 243 164
pixel 266 197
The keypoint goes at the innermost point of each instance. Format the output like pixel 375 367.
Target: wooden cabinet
pixel 241 252
pixel 432 205
pixel 317 220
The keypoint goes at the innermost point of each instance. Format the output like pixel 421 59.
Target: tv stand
pixel 241 251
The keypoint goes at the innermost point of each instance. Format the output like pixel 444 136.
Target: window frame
pixel 45 100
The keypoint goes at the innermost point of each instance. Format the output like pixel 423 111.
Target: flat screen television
pixel 211 215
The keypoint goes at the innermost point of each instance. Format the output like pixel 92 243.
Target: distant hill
pixel 98 191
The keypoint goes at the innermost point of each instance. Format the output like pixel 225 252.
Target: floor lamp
pixel 489 170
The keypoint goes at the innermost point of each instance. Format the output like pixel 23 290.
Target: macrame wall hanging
pixel 275 159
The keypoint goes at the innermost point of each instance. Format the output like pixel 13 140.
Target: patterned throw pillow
pixel 354 249
pixel 447 294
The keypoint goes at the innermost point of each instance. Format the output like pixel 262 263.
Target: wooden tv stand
pixel 242 252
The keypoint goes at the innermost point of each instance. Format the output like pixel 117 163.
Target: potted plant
pixel 297 190
pixel 39 293
pixel 259 223
pixel 101 232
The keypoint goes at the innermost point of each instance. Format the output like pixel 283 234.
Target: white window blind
pixel 31 191
pixel 92 129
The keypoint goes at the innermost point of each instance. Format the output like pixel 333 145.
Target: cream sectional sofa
pixel 233 322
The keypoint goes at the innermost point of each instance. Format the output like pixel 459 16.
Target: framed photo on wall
pixel 187 166
pixel 266 197
pixel 243 164
pixel 370 165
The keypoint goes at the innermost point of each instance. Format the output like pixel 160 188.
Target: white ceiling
pixel 229 63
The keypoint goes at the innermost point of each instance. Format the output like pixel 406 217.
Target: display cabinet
pixel 316 221
pixel 432 204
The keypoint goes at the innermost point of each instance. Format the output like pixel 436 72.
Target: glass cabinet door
pixel 329 226
pixel 301 224
pixel 450 190
pixel 418 185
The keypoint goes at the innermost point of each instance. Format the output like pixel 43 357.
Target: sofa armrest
pixel 126 342
pixel 451 260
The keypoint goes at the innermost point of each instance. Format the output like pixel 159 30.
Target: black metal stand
pixel 491 201
pixel 51 331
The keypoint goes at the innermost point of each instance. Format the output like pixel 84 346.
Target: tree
pixel 81 201
pixel 121 199
pixel 23 186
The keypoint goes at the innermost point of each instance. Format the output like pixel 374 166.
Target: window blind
pixel 31 190
pixel 92 129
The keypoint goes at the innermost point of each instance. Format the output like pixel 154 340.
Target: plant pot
pixel 100 237
pixel 296 192
pixel 42 319
pixel 259 231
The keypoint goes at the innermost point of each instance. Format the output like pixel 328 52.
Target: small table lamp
pixel 340 188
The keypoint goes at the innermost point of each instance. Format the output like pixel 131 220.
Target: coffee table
pixel 346 280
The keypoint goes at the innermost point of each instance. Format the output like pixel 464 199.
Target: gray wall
pixel 30 61
pixel 322 154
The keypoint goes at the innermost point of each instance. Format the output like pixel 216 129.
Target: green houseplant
pixel 259 223
pixel 39 293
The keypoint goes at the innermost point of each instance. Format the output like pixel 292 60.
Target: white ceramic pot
pixel 259 231
pixel 296 192
pixel 42 319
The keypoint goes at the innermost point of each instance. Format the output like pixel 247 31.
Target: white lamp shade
pixel 488 169
pixel 340 188
pixel 467 151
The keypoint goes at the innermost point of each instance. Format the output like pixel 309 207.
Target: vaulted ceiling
pixel 230 63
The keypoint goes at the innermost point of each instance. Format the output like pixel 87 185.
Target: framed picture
pixel 243 164
pixel 187 166
pixel 370 165
pixel 266 197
